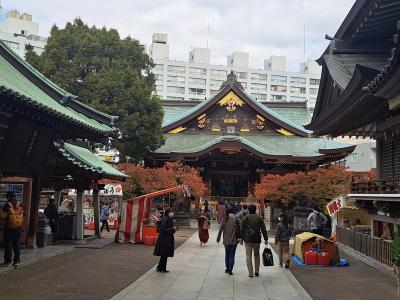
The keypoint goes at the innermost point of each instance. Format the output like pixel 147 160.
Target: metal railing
pixel 375 187
pixel 378 249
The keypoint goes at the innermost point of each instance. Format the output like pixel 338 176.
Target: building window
pixel 174 98
pixel 297 80
pixel 278 97
pixel 297 99
pixel 176 89
pixel 352 158
pixel 213 92
pixel 312 101
pixel 198 71
pixel 158 77
pixel 218 74
pixel 257 76
pixel 278 88
pixel 197 81
pixel 313 91
pixel 241 75
pixel 195 91
pixel 176 69
pixel 159 67
pixel 216 84
pixel 314 81
pixel 259 87
pixel 176 79
pixel 279 79
pixel 259 96
pixel 297 90
pixel 159 89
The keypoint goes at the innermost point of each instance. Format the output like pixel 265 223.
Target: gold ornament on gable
pixel 201 121
pixel 260 122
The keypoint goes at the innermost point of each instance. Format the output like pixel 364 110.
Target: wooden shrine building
pixel 359 96
pixel 233 140
pixel 46 136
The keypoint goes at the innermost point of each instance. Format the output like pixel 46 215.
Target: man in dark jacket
pixel 282 238
pixel 251 228
pixel 51 212
pixel 165 241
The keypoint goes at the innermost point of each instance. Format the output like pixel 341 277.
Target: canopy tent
pixel 303 242
pixel 134 211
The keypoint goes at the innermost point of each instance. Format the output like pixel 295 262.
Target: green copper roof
pixel 15 82
pixel 268 145
pixel 298 115
pixel 85 159
pixel 178 116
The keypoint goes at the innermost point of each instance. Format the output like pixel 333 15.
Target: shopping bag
pixel 268 258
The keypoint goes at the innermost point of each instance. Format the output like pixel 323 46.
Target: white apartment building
pixel 198 79
pixel 18 30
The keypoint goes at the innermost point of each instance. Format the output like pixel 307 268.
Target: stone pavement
pixel 198 273
pixel 29 256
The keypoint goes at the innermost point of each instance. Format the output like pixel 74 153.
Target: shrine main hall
pixel 233 140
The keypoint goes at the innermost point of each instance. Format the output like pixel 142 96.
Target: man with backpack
pixel 250 230
pixel 316 221
pixel 14 219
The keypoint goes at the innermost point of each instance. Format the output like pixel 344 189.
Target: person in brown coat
pixel 230 229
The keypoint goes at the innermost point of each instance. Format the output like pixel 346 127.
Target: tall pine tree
pixel 107 73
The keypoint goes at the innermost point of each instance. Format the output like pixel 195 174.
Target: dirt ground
pixel 83 273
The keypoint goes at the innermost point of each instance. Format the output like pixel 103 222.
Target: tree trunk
pixel 398 279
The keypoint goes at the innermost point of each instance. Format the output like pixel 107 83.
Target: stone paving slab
pixel 30 256
pixel 198 273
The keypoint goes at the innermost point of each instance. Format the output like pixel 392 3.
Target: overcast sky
pixel 260 27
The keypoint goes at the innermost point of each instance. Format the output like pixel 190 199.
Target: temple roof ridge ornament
pixel 231 80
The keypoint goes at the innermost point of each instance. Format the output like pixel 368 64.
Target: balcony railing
pixel 378 249
pixel 375 187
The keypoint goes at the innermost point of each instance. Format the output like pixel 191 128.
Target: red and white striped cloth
pixel 133 212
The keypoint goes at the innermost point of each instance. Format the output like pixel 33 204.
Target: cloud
pixel 260 27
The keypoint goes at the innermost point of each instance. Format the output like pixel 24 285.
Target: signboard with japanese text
pixel 113 189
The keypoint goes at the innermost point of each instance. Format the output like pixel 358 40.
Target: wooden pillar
pixel 262 208
pixel 96 210
pixel 57 197
pixel 378 155
pixel 33 212
pixel 79 215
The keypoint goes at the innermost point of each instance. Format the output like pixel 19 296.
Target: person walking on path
pixel 244 212
pixel 282 238
pixel 204 225
pixel 230 229
pixel 51 212
pixel 221 209
pixel 105 212
pixel 165 244
pixel 238 207
pixel 316 221
pixel 14 218
pixel 251 229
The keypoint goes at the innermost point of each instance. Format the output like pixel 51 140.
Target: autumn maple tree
pixel 146 180
pixel 320 185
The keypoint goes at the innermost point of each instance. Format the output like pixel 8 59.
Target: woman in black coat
pixel 165 242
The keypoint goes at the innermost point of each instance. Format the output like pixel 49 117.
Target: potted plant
pixel 396 256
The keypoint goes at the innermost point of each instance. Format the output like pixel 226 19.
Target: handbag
pixel 267 257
